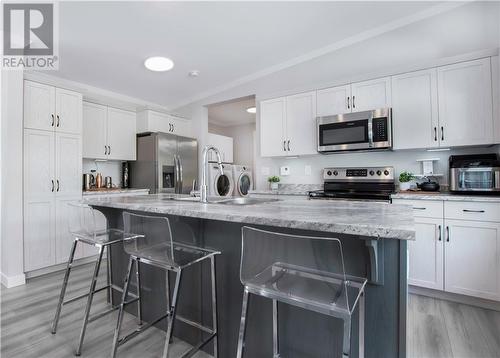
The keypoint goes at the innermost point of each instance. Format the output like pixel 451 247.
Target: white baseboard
pixel 12 281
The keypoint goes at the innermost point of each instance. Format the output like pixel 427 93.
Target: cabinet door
pixel 335 100
pixel 63 239
pixel 472 258
pixel 121 134
pixel 371 94
pixel 465 103
pixel 39 163
pixel 272 127
pixel 415 110
pixel 301 124
pixel 68 164
pixel 180 126
pixel 39 230
pixel 94 131
pixel 39 106
pixel 225 146
pixel 68 111
pixel 426 254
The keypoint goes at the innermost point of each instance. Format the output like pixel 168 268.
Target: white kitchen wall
pixel 243 141
pixel 112 168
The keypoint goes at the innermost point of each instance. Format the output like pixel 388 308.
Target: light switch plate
pixel 307 170
pixel 264 170
pixel 284 171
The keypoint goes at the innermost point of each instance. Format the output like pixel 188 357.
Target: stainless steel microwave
pixel 368 130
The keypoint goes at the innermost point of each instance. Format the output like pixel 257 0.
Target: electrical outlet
pixel 284 171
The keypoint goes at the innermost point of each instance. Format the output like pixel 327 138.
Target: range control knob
pixel 372 172
pixel 335 173
pixel 329 173
pixel 386 172
pixel 379 172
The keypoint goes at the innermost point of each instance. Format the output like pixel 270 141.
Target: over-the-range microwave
pixel 368 130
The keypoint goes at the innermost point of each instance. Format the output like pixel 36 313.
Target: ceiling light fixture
pixel 158 64
pixel 252 110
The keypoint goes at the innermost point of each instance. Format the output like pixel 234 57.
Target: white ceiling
pixel 232 113
pixel 104 44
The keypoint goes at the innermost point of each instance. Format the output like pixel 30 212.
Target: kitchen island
pixel 374 238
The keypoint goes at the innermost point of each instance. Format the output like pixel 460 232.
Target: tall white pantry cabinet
pixel 52 171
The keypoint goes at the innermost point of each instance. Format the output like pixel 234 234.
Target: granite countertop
pixel 371 219
pixel 101 191
pixel 447 196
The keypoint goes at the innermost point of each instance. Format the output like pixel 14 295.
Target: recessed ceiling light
pixel 194 73
pixel 159 64
pixel 252 110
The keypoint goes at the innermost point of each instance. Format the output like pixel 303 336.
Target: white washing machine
pixel 220 185
pixel 243 181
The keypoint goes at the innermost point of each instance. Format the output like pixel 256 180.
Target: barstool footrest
pixel 114 287
pixel 140 329
pixel 194 324
pixel 196 348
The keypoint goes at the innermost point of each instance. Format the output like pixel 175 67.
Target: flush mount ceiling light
pixel 252 110
pixel 158 64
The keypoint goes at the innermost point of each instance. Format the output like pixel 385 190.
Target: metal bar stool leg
pixel 346 346
pixel 361 303
pixel 64 285
pixel 171 317
pixel 109 279
pixel 89 300
pixel 276 347
pixel 138 281
pixel 243 323
pixel 122 305
pixel 214 307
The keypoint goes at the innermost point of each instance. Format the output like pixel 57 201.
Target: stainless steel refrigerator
pixel 166 163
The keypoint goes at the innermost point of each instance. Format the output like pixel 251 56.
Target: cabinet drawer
pixel 476 211
pixel 423 208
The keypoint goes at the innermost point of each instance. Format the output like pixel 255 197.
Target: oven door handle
pixel 370 132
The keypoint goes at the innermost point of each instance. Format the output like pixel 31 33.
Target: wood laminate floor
pixel 436 328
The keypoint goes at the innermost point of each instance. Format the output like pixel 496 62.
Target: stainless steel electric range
pixel 360 183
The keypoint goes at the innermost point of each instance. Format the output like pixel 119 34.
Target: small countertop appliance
pixel 477 173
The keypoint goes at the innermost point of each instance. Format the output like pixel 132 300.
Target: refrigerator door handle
pixel 176 169
pixel 179 162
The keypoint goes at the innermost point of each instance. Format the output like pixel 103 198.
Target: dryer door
pixel 244 184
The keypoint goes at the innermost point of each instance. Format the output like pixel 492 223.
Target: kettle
pixel 428 186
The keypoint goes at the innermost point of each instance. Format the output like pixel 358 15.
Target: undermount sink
pixel 245 201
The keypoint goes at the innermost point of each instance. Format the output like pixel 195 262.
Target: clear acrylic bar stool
pixel 302 271
pixel 82 227
pixel 150 242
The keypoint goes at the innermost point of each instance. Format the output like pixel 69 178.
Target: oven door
pixel 475 179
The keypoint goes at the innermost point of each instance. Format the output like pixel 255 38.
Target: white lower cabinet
pixel 452 254
pixel 472 258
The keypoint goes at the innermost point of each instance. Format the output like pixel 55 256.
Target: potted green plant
pixel 405 179
pixel 273 181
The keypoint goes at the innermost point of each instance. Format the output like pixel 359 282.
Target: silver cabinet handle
pixel 284 145
pixel 57 181
pixel 170 127
pixel 353 105
pixel 472 211
pixel 289 145
pixel 57 125
pixel 442 133
pixel 109 149
pixel 418 208
pixel 439 234
pixel 52 123
pixel 447 234
pixel 435 134
pixel 348 103
pixel 52 185
pixel 173 127
pixel 105 150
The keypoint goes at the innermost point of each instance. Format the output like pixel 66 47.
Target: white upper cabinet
pixel 224 144
pixel 68 164
pixel 415 110
pixel 495 85
pixel 50 108
pixel 373 94
pixel 39 106
pixel 335 100
pixel 68 111
pixel 108 133
pixel 301 124
pixel 465 103
pixel 272 127
pixel 121 134
pixel 39 163
pixel 94 131
pixel 151 121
